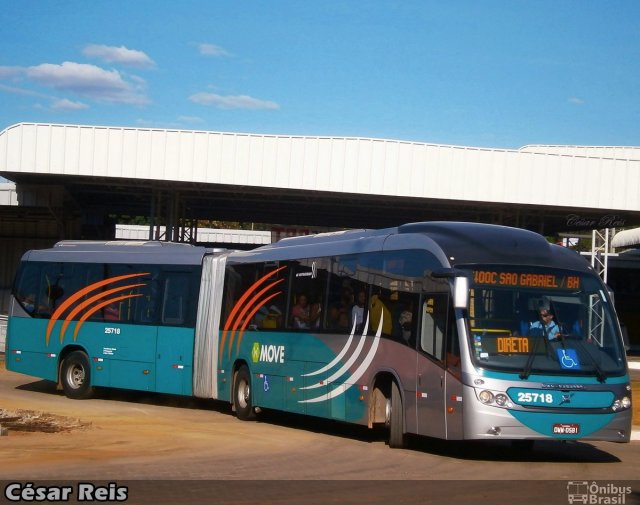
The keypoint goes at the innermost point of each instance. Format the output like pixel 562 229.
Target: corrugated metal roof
pixel 611 152
pixel 325 164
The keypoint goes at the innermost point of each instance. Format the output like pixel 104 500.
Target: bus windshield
pixel 542 321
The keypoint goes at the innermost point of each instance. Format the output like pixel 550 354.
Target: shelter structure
pixel 74 181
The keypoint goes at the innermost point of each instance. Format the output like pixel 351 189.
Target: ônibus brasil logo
pixel 267 353
pixel 594 493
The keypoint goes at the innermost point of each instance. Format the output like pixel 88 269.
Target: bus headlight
pixel 495 398
pixel 501 400
pixel 486 397
pixel 621 404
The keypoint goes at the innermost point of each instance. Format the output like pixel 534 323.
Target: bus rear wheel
pixel 242 395
pixel 75 376
pixel 397 436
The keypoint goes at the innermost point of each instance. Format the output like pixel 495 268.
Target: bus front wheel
pixel 397 436
pixel 242 395
pixel 75 376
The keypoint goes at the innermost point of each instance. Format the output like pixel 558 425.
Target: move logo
pixel 267 353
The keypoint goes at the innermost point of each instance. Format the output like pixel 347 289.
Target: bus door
pixel 453 381
pixel 430 373
pixel 174 351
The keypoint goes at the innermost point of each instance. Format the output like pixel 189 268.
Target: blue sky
pixel 478 73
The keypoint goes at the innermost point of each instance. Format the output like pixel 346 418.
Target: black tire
pixel 242 395
pixel 75 376
pixel 397 436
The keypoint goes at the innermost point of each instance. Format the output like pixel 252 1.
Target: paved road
pixel 161 439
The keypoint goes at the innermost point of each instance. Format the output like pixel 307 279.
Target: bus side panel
pixel 284 391
pixel 174 365
pixel 289 372
pixel 26 351
pixel 101 372
pixel 36 364
pixel 454 407
pixel 132 375
pixel 269 390
pixel 123 355
pixel 317 399
pixel 27 334
pixel 293 381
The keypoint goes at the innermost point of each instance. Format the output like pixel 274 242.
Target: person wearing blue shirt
pixel 545 326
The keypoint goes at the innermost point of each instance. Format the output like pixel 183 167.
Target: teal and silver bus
pixel 447 330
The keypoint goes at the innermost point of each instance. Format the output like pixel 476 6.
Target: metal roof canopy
pixel 626 238
pixel 319 181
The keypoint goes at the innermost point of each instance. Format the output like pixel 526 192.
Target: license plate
pixel 566 429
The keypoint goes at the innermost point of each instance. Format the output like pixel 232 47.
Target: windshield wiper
pixel 600 374
pixel 526 371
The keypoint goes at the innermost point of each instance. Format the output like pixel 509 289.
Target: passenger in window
pixel 406 321
pixel 305 316
pixel 269 318
pixel 28 302
pixel 357 312
pixel 112 313
pixel 339 320
pixel 340 312
pixel 315 313
pixel 379 310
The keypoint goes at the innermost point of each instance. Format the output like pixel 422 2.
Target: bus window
pixel 434 324
pixel 401 282
pixel 308 287
pixel 180 298
pixel 144 294
pixel 257 290
pixel 453 362
pixel 42 287
pixel 27 287
pixel 340 299
pixel 176 291
pixel 349 292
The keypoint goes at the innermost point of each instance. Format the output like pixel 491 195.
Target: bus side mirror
pixel 461 292
pixel 460 286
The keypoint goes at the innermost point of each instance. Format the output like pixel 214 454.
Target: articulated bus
pixel 449 330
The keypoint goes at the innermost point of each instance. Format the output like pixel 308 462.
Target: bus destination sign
pixel 526 280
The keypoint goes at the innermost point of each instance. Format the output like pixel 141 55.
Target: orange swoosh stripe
pixel 88 302
pixel 248 307
pixel 249 316
pixel 95 309
pixel 231 319
pixel 79 294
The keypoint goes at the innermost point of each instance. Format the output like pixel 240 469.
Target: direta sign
pixel 267 353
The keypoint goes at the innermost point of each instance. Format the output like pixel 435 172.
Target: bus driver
pixel 545 325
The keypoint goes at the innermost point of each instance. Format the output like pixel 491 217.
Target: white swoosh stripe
pixel 338 357
pixel 348 363
pixel 357 374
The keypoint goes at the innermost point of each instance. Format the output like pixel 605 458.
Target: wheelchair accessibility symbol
pixel 265 384
pixel 568 359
